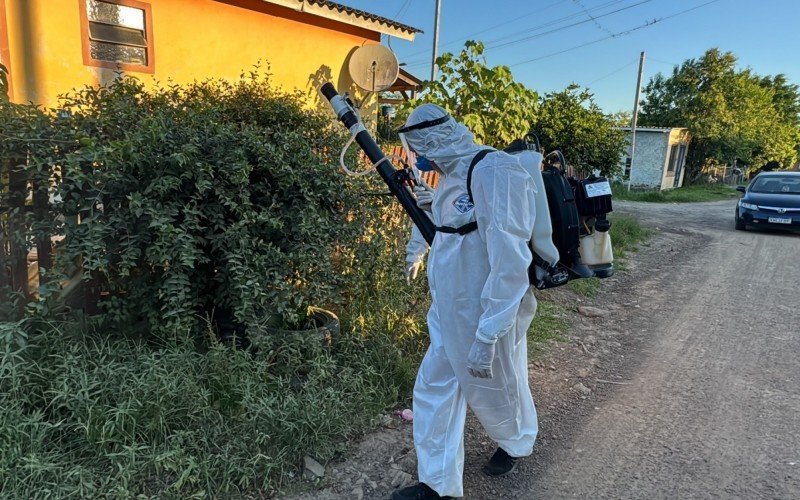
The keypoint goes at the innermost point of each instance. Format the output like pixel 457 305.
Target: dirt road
pixel 690 388
pixel 710 406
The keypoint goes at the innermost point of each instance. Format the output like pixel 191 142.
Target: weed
pixel 548 324
pixel 586 287
pixel 626 232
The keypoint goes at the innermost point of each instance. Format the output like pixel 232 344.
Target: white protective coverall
pixel 480 290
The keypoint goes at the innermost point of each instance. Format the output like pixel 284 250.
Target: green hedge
pixel 193 198
pixel 179 201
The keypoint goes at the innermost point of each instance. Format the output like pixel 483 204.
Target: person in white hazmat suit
pixel 482 306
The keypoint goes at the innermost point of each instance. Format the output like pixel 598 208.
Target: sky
pixel 535 39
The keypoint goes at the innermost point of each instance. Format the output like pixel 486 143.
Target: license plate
pixel 780 220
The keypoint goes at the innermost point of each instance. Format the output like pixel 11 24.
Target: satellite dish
pixel 374 67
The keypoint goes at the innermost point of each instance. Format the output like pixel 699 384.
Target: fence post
pixel 18 251
pixel 43 240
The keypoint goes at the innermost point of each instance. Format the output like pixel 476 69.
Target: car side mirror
pixel 741 189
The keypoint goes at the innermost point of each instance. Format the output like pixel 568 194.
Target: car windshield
pixel 774 184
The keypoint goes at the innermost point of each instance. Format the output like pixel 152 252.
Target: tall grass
pixel 627 232
pixel 85 415
pixel 588 287
pixel 686 194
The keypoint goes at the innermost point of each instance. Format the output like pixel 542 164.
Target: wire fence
pixel 723 174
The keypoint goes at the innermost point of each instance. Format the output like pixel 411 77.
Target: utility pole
pixel 635 116
pixel 435 39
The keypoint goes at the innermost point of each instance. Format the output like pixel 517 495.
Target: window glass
pixel 117 33
pixel 118 53
pixel 673 157
pixel 105 12
pixel 776 185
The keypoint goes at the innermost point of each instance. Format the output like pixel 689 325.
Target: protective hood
pixel 444 143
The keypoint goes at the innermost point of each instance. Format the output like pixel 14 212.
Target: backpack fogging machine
pixel 571 239
pixel 397 180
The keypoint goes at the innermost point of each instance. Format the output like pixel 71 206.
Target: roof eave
pixel 350 16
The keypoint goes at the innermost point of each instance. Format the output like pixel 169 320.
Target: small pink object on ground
pixel 407 415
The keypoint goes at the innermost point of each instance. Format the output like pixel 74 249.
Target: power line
pixel 402 10
pixel 465 37
pixel 568 26
pixel 489 47
pixel 596 23
pixel 545 25
pixel 615 35
pixel 553 22
pixel 663 62
pixel 397 17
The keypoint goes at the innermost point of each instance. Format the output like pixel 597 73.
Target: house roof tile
pixel 364 14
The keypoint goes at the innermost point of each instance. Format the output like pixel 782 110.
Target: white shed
pixel 659 157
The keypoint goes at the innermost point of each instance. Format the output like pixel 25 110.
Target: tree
pixel 571 121
pixel 732 114
pixel 621 118
pixel 495 107
pixel 786 97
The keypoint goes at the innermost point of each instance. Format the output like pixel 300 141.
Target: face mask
pixel 423 164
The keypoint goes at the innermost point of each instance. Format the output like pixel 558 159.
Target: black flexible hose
pixel 561 159
pixel 535 141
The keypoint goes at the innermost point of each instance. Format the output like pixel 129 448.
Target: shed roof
pixel 663 130
pixel 405 81
pixel 349 15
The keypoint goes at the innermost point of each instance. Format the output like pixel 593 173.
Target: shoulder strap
pixel 478 157
pixel 470 226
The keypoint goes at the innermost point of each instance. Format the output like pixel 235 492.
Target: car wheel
pixel 740 225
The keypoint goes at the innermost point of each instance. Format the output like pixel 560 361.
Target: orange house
pixel 53 46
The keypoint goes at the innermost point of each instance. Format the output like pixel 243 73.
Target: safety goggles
pixel 418 161
pixel 422 125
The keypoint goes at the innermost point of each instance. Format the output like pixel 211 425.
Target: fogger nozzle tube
pixel 338 103
pixel 346 114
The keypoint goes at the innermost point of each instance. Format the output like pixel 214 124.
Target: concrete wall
pixel 193 40
pixel 649 159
